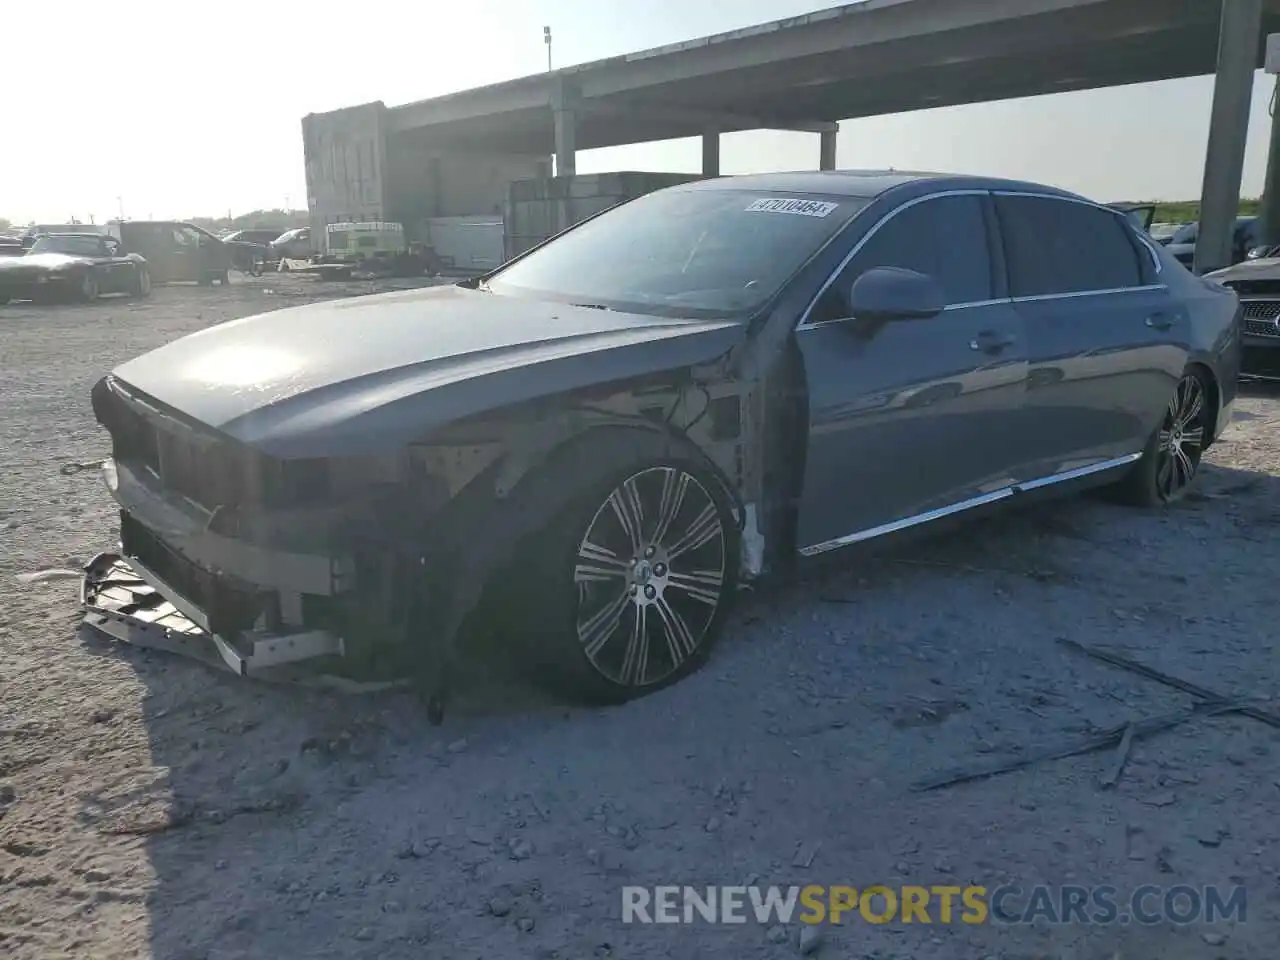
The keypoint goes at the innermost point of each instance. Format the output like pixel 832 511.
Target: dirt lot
pixel 152 808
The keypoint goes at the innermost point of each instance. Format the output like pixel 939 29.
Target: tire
pixel 224 278
pixel 142 283
pixel 1171 458
pixel 89 289
pixel 622 602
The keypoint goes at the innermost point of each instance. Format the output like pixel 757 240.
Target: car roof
pixel 83 236
pixel 864 184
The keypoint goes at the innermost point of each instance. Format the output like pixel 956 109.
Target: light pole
pixel 546 38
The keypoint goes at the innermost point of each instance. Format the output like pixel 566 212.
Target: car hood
pixel 1264 268
pixel 354 376
pixel 40 261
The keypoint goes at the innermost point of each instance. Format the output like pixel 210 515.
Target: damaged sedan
pixel 596 445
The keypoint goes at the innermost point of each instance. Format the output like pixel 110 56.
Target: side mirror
pixel 895 293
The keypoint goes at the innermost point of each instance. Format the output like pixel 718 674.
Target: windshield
pixel 75 246
pixel 682 252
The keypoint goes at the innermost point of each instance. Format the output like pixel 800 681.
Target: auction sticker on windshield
pixel 803 208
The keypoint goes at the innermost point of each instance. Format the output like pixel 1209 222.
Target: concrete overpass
pixel 862 59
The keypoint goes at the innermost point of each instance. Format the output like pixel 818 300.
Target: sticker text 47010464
pixel 802 208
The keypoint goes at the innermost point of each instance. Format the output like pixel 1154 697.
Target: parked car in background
pixel 293 244
pixel 73 266
pixel 1162 233
pixel 1264 252
pixel 250 250
pixel 11 246
pixel 259 235
pixel 37 230
pixel 1257 283
pixel 607 434
pixel 174 250
pixel 1182 245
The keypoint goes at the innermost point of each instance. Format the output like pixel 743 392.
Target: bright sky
pixel 176 109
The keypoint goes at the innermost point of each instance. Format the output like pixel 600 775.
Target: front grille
pixel 1262 317
pixel 231 606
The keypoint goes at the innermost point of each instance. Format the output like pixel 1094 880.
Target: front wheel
pixel 1172 456
pixel 142 283
pixel 634 580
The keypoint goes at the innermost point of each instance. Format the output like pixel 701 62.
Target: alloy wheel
pixel 89 287
pixel 650 574
pixel 144 282
pixel 1180 442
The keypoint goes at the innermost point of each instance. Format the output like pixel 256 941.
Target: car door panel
pixel 907 419
pixel 1106 340
pixel 910 416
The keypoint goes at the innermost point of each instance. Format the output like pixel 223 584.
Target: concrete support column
pixel 827 149
pixel 564 103
pixel 711 153
pixel 566 140
pixel 1271 188
pixel 1239 33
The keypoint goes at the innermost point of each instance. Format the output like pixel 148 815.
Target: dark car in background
pixel 73 266
pixel 293 244
pixel 1244 237
pixel 598 441
pixel 11 246
pixel 1257 283
pixel 175 251
pixel 250 250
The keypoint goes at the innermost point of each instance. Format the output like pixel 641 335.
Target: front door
pixel 1106 339
pixel 912 417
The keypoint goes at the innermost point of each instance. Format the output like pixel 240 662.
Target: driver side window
pixel 944 237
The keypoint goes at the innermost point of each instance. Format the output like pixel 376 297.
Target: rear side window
pixel 1060 246
pixel 943 237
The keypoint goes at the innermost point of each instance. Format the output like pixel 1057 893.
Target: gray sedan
pixel 591 448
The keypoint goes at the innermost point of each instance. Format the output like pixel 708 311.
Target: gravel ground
pixel 150 807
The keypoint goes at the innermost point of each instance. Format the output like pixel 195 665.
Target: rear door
pixel 913 416
pixel 1107 342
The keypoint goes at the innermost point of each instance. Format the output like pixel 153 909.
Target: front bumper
pixel 32 288
pixel 1260 339
pixel 130 603
pixel 178 586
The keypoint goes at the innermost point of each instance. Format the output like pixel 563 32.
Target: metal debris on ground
pixel 1112 776
pixel 1060 751
pixel 1203 693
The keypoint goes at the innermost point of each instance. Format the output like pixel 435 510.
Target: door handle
pixel 1160 321
pixel 991 341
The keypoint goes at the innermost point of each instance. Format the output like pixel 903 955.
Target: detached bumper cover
pixel 129 603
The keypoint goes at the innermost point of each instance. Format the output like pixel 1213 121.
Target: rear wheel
pixel 1172 456
pixel 142 283
pixel 631 583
